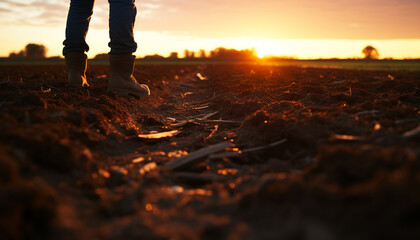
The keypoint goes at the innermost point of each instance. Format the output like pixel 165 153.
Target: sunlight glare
pixel 263 51
pixel 260 54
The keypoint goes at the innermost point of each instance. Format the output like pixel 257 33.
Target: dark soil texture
pixel 306 154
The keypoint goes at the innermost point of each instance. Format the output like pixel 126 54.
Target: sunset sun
pixel 263 51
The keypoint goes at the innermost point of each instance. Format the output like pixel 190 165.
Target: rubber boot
pixel 122 80
pixel 76 68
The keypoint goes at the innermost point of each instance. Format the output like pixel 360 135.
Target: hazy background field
pixel 386 65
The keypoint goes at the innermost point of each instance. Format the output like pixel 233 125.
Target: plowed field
pixel 247 152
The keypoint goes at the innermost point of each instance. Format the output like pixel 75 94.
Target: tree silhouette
pixel 187 53
pixel 20 54
pixel 202 53
pixel 34 50
pixel 173 55
pixel 102 56
pixel 233 54
pixel 31 50
pixel 370 52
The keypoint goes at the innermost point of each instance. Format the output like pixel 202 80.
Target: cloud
pixel 40 13
pixel 343 19
pixel 377 19
pixel 14 3
pixel 5 10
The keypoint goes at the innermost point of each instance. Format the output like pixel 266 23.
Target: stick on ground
pixel 197 155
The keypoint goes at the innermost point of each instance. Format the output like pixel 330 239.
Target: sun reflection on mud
pixel 200 192
pixel 104 173
pixel 227 171
pixel 191 192
pixel 147 168
pixel 177 154
pixel 137 160
pixel 176 189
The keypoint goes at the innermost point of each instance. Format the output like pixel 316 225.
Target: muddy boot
pixel 76 67
pixel 121 80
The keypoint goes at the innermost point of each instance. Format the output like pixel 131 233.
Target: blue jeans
pixel 121 23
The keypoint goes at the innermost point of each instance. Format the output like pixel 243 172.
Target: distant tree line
pixel 216 54
pixel 221 53
pixel 37 51
pixel 31 50
pixel 233 54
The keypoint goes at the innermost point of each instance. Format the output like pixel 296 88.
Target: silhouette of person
pixel 122 16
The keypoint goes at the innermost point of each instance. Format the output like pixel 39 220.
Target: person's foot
pixel 127 87
pixel 122 80
pixel 76 68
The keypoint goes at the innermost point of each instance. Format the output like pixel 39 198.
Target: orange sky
pixel 300 28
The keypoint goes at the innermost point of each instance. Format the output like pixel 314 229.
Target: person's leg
pixel 78 19
pixel 122 16
pixel 75 45
pixel 121 23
